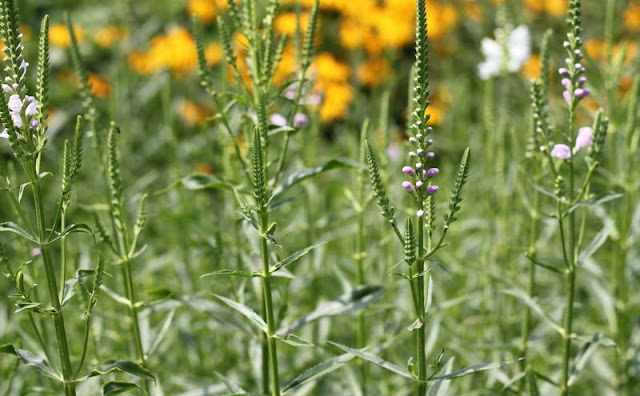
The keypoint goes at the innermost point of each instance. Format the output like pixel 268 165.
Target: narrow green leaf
pixel 228 272
pixel 9 226
pixel 246 311
pixel 30 359
pixel 534 307
pixel 351 301
pixel 473 369
pixel 293 258
pixel 116 388
pixel 317 371
pixel 124 366
pixel 310 172
pixel 378 361
pixel 71 229
pixel 162 332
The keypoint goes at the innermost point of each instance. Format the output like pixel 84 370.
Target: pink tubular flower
pixel 300 120
pixel 432 172
pixel 278 120
pixel 561 151
pixel 584 139
pixel 407 170
pixel 407 185
pixel 432 189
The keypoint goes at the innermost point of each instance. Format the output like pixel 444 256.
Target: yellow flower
pixel 213 53
pixel 286 23
pixel 100 86
pixel 552 7
pixel 175 51
pixel 59 35
pixel 205 10
pixel 531 69
pixel 373 71
pixel 329 69
pixel 632 17
pixel 337 98
pixel 193 114
pixel 108 35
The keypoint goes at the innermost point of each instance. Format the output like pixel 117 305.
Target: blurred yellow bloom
pixel 632 17
pixel 373 71
pixel 337 98
pixel 213 53
pixel 206 10
pixel 287 22
pixel 286 67
pixel 100 86
pixel 175 51
pixel 192 114
pixel 59 35
pixel 328 69
pixel 595 48
pixel 531 69
pixel 105 37
pixel 552 7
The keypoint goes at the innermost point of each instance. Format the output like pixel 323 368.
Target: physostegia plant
pixel 24 124
pixel 570 195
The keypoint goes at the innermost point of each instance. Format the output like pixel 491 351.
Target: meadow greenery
pixel 310 197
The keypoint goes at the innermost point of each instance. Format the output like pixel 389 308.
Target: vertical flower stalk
pixel 20 114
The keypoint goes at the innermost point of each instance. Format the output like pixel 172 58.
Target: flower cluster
pixel 300 120
pixel 422 175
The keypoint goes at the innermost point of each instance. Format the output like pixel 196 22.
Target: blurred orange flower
pixel 100 86
pixel 552 7
pixel 192 114
pixel 206 10
pixel 105 37
pixel 59 35
pixel 632 17
pixel 373 71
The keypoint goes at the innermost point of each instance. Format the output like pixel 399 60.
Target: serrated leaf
pixel 353 300
pixel 317 371
pixel 293 258
pixel 378 361
pixel 311 172
pixel 473 369
pixel 246 311
pixel 29 358
pixel 116 388
pixel 9 226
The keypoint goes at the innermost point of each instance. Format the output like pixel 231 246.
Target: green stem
pixel 58 319
pixel 268 303
pixel 63 253
pixel 360 255
pixel 420 332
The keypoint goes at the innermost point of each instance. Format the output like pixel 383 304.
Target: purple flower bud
pixel 35 252
pixel 408 170
pixel 429 142
pixel 35 124
pixel 584 139
pixel 290 94
pixel 412 139
pixel 431 154
pixel 418 184
pixel 579 66
pixel 420 213
pixel 420 151
pixel 561 151
pixel 432 172
pixel 566 83
pixel 278 120
pixel 581 92
pixel 300 120
pixel 407 185
pixel 563 71
pixel 424 173
pixel 567 96
pixel 432 189
pixel 582 80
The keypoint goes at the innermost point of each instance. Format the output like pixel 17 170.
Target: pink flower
pixel 584 139
pixel 561 151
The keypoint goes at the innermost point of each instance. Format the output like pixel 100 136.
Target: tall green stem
pixel 421 331
pixel 61 337
pixel 268 304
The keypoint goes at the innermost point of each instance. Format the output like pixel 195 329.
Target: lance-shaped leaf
pixel 229 272
pixel 520 295
pixel 117 387
pixel 473 369
pixel 31 359
pixel 71 229
pixel 9 226
pixel 293 258
pixel 123 366
pixel 353 300
pixel 317 371
pixel 246 311
pixel 310 172
pixel 377 360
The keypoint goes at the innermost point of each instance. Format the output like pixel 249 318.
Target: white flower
pixel 15 103
pixel 517 51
